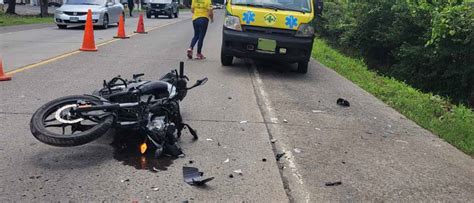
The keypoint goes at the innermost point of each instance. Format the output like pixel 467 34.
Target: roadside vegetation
pixel 428 43
pixel 453 123
pixel 407 53
pixel 7 19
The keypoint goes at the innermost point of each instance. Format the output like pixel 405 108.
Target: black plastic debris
pixel 343 102
pixel 279 155
pixel 193 176
pixel 191 161
pixel 264 159
pixel 231 176
pixel 333 183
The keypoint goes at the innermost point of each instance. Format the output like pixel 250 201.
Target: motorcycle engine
pixel 158 126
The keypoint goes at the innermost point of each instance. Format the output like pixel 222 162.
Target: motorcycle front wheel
pixel 55 124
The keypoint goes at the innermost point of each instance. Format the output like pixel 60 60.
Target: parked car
pixel 54 3
pixel 218 6
pixel 74 13
pixel 162 7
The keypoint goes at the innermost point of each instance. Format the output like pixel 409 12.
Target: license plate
pixel 74 19
pixel 266 45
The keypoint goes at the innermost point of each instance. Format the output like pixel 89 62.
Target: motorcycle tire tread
pixel 77 139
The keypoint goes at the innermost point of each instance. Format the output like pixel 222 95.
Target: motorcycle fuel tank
pixel 159 89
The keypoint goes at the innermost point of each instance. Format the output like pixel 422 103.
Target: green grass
pixel 7 20
pixel 453 123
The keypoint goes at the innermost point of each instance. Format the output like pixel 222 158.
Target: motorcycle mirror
pixel 198 83
pixel 201 81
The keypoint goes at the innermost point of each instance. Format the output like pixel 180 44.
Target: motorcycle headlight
pixel 305 30
pixel 232 22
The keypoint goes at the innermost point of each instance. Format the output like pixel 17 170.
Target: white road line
pixel 303 195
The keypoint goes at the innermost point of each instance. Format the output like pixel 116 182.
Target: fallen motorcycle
pixel 148 106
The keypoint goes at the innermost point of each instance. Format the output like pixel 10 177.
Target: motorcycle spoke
pixel 55 125
pixel 82 127
pixel 50 120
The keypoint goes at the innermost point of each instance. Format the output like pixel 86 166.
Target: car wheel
pixel 105 23
pixel 148 15
pixel 62 26
pixel 177 13
pixel 303 67
pixel 170 15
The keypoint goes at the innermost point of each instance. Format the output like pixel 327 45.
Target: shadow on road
pixel 71 158
pixel 277 70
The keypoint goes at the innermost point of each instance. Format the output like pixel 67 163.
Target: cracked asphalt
pixel 376 153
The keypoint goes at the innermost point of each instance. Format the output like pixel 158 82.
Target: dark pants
pixel 200 29
pixel 130 8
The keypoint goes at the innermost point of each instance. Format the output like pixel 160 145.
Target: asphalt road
pixel 30 44
pixel 376 153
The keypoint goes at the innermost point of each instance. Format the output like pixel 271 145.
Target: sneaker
pixel 189 53
pixel 200 57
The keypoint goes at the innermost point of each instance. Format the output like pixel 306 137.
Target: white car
pixel 74 13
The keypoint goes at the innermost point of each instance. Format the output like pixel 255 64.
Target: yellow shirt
pixel 201 8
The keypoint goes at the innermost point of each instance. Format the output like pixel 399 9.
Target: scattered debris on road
pixel 274 120
pixel 227 160
pixel 273 140
pixel 243 122
pixel 264 159
pixel 402 141
pixel 285 121
pixel 238 171
pixel 297 150
pixel 318 111
pixel 191 161
pixel 231 176
pixel 229 97
pixel 125 180
pixel 333 183
pixel 318 129
pixel 279 155
pixel 209 139
pixel 155 188
pixel 193 176
pixel 343 102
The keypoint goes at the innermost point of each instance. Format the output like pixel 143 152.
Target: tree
pixel 11 6
pixel 44 8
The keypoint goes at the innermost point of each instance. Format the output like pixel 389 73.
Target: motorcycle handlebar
pixel 181 69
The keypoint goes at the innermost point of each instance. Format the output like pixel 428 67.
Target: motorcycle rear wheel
pixel 57 111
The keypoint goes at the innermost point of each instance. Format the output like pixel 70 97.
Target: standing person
pixel 202 13
pixel 131 4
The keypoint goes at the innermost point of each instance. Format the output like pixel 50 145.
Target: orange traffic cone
pixel 121 29
pixel 88 43
pixel 140 26
pixel 3 77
